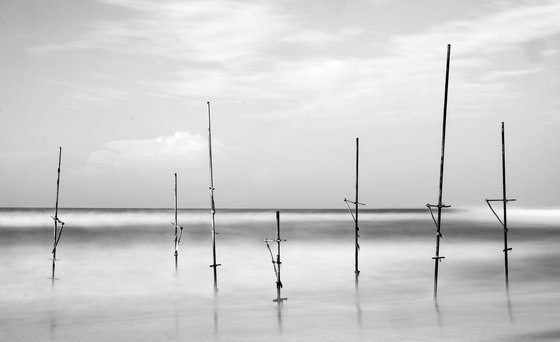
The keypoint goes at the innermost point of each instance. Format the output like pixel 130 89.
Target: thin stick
pixel 278 262
pixel 504 201
pixel 212 205
pixel 355 215
pixel 56 233
pixel 356 228
pixel 176 225
pixel 505 206
pixel 440 204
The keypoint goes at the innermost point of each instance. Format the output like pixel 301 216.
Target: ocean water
pixel 117 278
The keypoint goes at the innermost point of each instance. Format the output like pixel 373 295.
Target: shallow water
pixel 118 280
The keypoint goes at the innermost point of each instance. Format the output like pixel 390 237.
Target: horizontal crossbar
pixel 501 200
pixel 215 265
pixel 56 219
pixel 346 200
pixel 437 206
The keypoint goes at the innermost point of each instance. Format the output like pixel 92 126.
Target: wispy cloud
pixel 505 74
pixel 264 51
pixel 182 149
pixel 75 97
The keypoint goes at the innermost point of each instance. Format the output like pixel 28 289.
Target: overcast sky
pixel 122 86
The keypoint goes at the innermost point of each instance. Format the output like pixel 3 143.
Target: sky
pixel 122 86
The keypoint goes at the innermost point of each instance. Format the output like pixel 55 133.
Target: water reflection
pixel 216 327
pixel 279 316
pixel 438 312
pixel 358 307
pixel 510 310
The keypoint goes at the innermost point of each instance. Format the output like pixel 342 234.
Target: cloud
pixel 76 97
pixel 267 51
pixel 505 74
pixel 182 149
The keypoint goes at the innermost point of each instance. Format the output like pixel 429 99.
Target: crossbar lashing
pixel 430 206
pixel 494 212
pixel 347 200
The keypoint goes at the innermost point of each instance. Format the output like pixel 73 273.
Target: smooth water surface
pixel 117 278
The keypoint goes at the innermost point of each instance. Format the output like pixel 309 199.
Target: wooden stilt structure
pixel 57 233
pixel 440 205
pixel 212 205
pixel 277 264
pixel 504 201
pixel 178 229
pixel 355 216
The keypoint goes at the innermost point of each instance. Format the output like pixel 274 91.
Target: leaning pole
pixel 437 258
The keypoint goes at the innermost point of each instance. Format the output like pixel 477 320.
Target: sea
pixel 117 279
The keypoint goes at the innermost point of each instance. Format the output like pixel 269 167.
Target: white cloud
pixel 76 97
pixel 182 149
pixel 505 74
pixel 246 50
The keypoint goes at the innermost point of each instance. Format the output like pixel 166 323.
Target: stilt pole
pixel 355 215
pixel 56 232
pixel 440 204
pixel 178 233
pixel 505 207
pixel 212 205
pixel 278 263
pixel 356 228
pixel 504 201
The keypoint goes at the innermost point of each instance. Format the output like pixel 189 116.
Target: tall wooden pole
pixel 175 224
pixel 356 228
pixel 279 285
pixel 504 201
pixel 277 270
pixel 56 234
pixel 355 215
pixel 212 205
pixel 440 204
pixel 506 249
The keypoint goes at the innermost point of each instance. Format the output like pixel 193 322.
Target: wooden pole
pixel 278 262
pixel 355 215
pixel 505 206
pixel 56 232
pixel 440 204
pixel 504 201
pixel 212 205
pixel 175 224
pixel 356 228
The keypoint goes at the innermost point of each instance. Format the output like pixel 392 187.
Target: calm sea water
pixel 118 280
